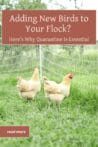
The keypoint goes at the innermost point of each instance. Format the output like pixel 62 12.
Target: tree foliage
pixel 5 4
pixel 28 4
pixel 22 4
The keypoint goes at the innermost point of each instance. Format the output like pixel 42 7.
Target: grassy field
pixel 74 125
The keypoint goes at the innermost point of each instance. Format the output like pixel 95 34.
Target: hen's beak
pixel 45 78
pixel 70 76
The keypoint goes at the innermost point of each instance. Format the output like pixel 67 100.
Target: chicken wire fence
pixel 52 60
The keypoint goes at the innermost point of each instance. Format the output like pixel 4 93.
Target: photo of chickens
pixel 53 91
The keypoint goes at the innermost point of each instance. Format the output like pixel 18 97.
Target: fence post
pixel 40 62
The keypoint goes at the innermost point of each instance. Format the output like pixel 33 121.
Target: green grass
pixel 74 125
